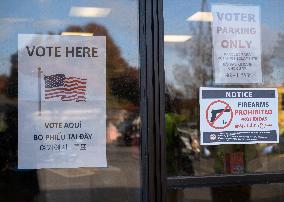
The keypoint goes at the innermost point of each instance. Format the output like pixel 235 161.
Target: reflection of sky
pixel 176 13
pixel 44 16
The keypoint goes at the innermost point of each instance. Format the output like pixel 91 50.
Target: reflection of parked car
pixel 190 141
pixel 189 148
pixel 274 148
pixel 129 130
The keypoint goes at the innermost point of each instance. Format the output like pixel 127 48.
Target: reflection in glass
pixel 188 66
pixel 122 177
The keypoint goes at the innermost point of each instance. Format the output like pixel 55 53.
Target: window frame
pixel 152 99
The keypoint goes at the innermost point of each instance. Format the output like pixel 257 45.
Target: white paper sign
pixel 236 44
pixel 238 115
pixel 62 101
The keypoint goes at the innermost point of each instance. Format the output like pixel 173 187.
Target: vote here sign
pixel 62 101
pixel 236 44
pixel 238 115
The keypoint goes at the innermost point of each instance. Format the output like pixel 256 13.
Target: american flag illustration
pixel 67 88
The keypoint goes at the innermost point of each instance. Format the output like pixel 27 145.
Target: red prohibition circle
pixel 227 106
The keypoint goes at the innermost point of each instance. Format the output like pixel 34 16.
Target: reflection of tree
pixel 9 143
pixel 197 55
pixel 12 90
pixel 279 49
pixel 198 69
pixel 3 83
pixel 122 84
pixel 172 95
pixel 278 57
pixel 122 79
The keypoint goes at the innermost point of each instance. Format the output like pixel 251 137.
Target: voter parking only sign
pixel 238 115
pixel 236 36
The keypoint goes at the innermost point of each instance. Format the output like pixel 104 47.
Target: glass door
pixel 225 171
pixel 117 22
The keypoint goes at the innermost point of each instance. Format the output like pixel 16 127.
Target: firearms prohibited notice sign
pixel 238 116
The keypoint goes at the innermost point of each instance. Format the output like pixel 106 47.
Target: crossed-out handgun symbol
pixel 214 113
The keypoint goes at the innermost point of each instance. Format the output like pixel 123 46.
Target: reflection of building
pixel 281 109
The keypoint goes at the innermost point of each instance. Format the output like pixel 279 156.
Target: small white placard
pixel 236 44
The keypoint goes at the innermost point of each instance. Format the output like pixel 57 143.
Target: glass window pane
pixel 188 66
pixel 118 21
